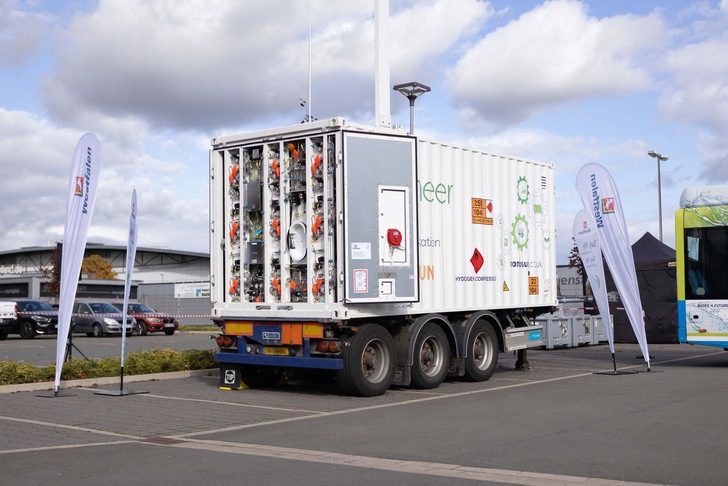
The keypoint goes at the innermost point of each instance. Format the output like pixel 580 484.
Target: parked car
pixel 33 317
pixel 149 320
pixel 7 316
pixel 100 318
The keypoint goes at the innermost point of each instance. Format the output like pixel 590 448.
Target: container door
pixel 380 218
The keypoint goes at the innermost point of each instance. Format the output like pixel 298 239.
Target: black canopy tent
pixel 657 280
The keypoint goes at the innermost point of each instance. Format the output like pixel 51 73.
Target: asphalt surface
pixel 557 424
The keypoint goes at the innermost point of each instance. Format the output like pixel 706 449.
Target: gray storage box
pixel 557 330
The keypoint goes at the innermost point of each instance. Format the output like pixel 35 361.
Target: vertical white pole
pixel 309 110
pixel 382 89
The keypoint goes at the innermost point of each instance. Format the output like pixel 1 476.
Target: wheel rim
pixel 375 361
pixel 482 350
pixel 431 356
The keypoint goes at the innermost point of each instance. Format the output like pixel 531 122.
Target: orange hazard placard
pixel 481 210
pixel 532 285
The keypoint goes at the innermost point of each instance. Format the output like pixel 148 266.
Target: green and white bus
pixel 701 233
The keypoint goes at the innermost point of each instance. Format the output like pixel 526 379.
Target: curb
pixel 104 380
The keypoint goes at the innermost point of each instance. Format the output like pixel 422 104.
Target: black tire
pixel 3 335
pixel 97 331
pixel 169 332
pixel 142 328
pixel 27 330
pixel 369 362
pixel 260 376
pixel 482 352
pixel 431 357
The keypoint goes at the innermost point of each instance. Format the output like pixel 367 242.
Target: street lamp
pixel 660 158
pixel 412 91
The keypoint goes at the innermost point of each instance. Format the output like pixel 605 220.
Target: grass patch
pixel 188 327
pixel 136 363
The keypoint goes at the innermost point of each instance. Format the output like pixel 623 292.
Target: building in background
pixel 171 281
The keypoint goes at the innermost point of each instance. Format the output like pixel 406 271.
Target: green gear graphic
pixel 519 232
pixel 522 190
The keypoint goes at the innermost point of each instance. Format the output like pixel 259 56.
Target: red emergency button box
pixel 394 237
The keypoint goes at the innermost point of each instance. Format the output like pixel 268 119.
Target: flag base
pixel 56 394
pixel 120 393
pixel 616 372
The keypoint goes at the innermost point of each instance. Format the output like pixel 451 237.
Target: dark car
pixel 149 320
pixel 33 317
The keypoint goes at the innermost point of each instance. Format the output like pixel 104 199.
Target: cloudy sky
pixel 564 81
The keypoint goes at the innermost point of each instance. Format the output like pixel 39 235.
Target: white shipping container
pixel 477 229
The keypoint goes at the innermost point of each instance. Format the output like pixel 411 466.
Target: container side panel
pixel 486 230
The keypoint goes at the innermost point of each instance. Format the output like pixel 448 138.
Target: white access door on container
pixel 380 211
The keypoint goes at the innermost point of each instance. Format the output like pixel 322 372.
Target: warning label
pixel 481 211
pixel 532 285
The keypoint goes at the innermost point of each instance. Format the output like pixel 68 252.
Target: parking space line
pixel 71 427
pixel 244 405
pixel 500 476
pixel 65 446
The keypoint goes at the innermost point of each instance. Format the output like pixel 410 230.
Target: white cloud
pixel 20 33
pixel 698 93
pixel 181 64
pixel 550 55
pixel 35 160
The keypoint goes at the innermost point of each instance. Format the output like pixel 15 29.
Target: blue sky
pixel 563 81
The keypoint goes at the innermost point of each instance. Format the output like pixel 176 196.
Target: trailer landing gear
pixel 522 363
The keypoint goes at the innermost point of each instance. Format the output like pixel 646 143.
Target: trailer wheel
pixel 368 362
pixel 260 376
pixel 482 349
pixel 431 358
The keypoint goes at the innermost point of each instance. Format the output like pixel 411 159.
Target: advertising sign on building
pixel 195 290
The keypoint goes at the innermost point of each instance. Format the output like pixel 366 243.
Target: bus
pixel 701 234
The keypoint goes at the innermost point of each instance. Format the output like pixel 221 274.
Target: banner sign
pixel 590 252
pixel 130 258
pixel 601 199
pixel 85 170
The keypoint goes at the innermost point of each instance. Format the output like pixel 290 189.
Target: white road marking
pixel 501 476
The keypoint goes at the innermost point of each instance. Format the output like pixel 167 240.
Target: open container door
pixel 380 218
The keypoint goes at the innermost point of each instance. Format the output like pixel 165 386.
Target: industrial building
pixel 171 281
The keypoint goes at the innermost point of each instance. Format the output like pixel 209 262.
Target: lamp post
pixel 660 158
pixel 412 91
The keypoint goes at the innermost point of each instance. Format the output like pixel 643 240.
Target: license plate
pixel 275 351
pixel 168 325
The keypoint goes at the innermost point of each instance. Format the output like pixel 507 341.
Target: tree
pixel 53 273
pixel 575 259
pixel 96 266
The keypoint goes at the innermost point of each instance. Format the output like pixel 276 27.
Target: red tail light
pixel 224 341
pixel 327 347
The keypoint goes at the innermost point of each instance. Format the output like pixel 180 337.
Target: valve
pixel 234 176
pixel 234 231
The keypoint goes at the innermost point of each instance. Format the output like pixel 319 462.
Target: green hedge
pixel 136 363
